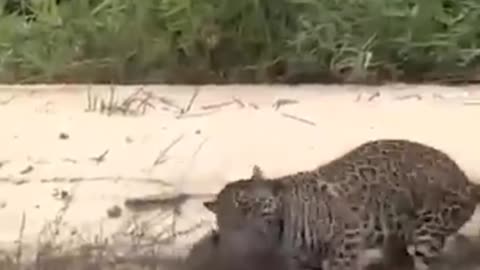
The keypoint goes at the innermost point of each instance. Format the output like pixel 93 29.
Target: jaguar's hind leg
pixel 446 214
pixel 428 242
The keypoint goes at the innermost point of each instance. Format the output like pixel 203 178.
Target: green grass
pixel 226 41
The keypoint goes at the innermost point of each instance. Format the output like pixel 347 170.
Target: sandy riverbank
pixel 59 152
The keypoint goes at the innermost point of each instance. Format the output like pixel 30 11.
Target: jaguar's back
pixel 400 164
pixel 404 190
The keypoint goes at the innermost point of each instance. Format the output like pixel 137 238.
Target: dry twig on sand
pixel 164 201
pixel 161 158
pixel 308 122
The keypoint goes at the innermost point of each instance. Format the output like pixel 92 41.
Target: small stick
pixel 6 101
pixel 190 103
pixel 282 102
pixel 160 159
pixel 418 97
pixel 217 105
pixel 239 102
pixel 166 201
pixel 298 119
pixel 100 158
pixel 20 239
pixel 374 96
pixel 28 169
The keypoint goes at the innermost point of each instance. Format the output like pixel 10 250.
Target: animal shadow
pixel 461 253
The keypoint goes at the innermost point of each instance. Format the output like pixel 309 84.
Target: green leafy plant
pixel 222 40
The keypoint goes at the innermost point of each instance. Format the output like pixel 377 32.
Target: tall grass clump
pixel 222 41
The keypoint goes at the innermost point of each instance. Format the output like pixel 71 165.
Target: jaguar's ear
pixel 211 206
pixel 277 187
pixel 257 173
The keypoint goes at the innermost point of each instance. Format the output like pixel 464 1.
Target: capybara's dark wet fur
pixel 244 249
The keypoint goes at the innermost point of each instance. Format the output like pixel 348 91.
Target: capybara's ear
pixel 257 173
pixel 211 205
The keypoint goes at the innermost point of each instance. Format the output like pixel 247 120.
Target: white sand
pixel 213 146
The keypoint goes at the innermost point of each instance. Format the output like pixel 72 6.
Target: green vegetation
pixel 226 41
